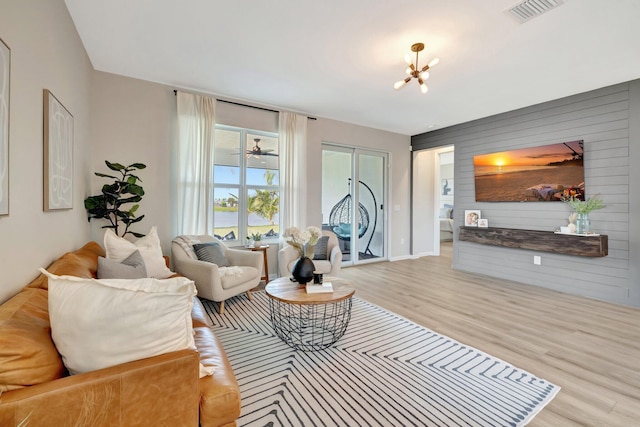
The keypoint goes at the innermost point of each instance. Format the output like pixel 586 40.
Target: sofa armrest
pixel 160 390
pixel 285 256
pixel 219 393
pixel 335 258
pixel 244 257
pixel 203 273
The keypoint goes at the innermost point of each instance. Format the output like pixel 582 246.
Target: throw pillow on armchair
pixel 320 250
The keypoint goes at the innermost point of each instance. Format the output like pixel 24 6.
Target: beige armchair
pixel 288 255
pixel 217 283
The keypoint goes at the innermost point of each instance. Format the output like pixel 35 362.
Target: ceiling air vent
pixel 529 9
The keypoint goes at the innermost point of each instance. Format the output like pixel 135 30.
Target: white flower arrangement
pixel 303 240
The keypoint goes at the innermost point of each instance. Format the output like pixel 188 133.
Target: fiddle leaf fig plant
pixel 123 191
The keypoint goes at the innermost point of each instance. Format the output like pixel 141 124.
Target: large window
pixel 246 184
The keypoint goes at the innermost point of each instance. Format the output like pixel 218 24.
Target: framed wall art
pixel 58 154
pixel 5 74
pixel 446 187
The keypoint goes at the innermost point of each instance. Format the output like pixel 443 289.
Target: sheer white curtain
pixel 196 125
pixel 293 159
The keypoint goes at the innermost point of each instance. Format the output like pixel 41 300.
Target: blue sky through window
pixel 231 175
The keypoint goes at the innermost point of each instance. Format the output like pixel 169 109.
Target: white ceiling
pixel 339 59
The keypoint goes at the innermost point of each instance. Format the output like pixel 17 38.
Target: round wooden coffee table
pixel 309 321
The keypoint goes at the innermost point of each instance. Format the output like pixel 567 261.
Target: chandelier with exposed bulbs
pixel 414 71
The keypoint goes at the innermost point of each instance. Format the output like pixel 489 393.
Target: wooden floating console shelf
pixel 544 241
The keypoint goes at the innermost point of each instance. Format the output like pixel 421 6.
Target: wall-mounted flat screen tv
pixel 544 173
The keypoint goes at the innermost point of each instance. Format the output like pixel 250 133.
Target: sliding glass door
pixel 354 183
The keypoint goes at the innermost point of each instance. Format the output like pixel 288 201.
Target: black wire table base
pixel 310 327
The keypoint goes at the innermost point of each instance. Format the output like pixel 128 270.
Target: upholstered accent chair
pixel 216 282
pixel 330 266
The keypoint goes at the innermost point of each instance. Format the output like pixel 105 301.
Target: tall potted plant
pixel 123 191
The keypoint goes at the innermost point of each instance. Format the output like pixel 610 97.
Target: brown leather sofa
pixel 163 390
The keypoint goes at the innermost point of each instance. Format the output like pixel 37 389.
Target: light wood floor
pixel 589 348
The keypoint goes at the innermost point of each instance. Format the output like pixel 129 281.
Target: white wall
pixel 424 185
pixel 46 53
pixel 124 120
pixel 134 121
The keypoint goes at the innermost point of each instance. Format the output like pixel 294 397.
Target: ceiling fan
pixel 256 151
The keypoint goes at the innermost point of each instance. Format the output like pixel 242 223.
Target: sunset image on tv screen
pixel 543 173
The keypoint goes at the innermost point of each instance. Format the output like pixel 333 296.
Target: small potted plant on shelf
pixel 254 240
pixel 582 210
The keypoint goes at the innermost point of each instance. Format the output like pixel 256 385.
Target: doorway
pixel 432 201
pixel 354 183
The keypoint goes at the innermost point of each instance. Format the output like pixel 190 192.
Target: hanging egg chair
pixel 340 218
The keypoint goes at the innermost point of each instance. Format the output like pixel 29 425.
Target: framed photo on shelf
pixel 483 222
pixel 471 217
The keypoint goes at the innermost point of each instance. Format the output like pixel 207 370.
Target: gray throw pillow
pixel 320 250
pixel 211 252
pixel 132 267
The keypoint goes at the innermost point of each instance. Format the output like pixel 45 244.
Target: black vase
pixel 303 270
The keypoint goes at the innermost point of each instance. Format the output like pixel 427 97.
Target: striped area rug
pixel 385 371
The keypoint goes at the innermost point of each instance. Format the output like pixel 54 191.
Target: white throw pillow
pixel 97 323
pixel 119 249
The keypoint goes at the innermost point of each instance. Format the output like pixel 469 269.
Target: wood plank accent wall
pixel 602 119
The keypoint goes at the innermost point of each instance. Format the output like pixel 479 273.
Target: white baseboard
pixel 416 256
pixel 400 258
pixel 422 254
